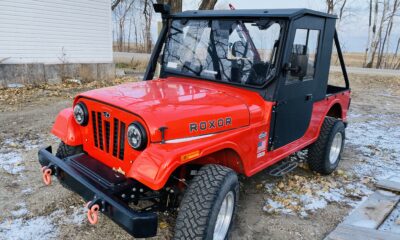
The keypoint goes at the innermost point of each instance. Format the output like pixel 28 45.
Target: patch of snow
pixel 20 212
pixel 41 227
pixel 15 85
pixel 27 191
pixel 11 162
pixel 303 195
pixel 78 216
pixel 35 228
pixel 376 137
pixel 314 204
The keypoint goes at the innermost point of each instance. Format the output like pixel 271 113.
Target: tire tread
pixel 197 203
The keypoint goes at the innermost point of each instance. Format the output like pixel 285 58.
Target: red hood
pixel 188 108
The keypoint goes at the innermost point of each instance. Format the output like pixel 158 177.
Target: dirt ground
pixel 300 205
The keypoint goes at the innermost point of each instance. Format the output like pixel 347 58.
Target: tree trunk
pixel 176 5
pixel 115 4
pixel 329 6
pixel 207 4
pixel 147 12
pixel 369 34
pixel 129 34
pixel 382 42
pixel 394 59
pixel 121 35
pixel 374 38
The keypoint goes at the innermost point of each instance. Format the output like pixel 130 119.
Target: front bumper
pixel 138 224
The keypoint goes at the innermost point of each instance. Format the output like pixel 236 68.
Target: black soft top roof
pixel 250 13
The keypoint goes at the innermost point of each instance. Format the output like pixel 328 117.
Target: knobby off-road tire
pixel 65 150
pixel 202 202
pixel 324 155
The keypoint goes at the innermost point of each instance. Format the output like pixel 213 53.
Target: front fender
pixel 157 162
pixel 66 128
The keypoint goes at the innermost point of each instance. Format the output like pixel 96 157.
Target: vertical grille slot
pixel 115 138
pixel 107 126
pixel 94 129
pixel 109 135
pixel 100 123
pixel 122 141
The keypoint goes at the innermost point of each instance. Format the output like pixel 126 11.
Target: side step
pixel 283 167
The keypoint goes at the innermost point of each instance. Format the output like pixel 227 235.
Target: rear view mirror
pixel 299 61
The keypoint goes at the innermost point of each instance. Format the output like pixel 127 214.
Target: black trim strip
pixel 107 126
pixel 100 123
pixel 122 141
pixel 94 129
pixel 115 137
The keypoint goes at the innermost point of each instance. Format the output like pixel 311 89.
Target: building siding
pixel 55 31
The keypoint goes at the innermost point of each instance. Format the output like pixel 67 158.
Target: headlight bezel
pixel 142 131
pixel 84 109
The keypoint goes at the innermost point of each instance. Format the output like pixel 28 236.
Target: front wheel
pixel 208 207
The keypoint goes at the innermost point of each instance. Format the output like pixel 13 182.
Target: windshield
pixel 241 52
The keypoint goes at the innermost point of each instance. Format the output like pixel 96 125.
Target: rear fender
pixel 66 128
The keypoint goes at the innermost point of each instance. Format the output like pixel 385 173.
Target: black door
pixel 293 110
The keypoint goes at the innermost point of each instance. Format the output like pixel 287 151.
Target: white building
pixel 36 34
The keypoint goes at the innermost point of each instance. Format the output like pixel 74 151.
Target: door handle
pixel 309 97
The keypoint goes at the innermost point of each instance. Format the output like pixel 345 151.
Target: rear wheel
pixel 325 154
pixel 209 205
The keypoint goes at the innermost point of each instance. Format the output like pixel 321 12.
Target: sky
pixel 353 29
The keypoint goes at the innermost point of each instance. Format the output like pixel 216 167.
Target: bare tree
pixel 114 4
pixel 336 7
pixel 395 63
pixel 374 38
pixel 120 13
pixel 176 5
pixel 384 13
pixel 207 4
pixel 148 15
pixel 384 46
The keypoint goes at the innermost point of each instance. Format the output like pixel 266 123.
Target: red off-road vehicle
pixel 238 92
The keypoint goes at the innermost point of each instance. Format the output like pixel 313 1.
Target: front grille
pixel 103 132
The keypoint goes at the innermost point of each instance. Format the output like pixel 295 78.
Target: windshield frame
pixel 164 72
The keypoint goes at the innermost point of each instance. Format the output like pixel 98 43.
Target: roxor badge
pixel 210 124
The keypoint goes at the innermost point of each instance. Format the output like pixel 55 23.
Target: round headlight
pixel 136 135
pixel 81 114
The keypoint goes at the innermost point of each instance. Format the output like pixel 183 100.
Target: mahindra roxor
pixel 237 92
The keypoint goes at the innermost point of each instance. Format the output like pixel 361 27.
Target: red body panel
pixel 66 128
pixel 176 103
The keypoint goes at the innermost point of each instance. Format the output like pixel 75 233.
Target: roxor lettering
pixel 220 122
pixel 203 126
pixel 228 121
pixel 193 127
pixel 210 124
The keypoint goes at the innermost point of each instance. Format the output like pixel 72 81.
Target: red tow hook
pixel 46 175
pixel 93 213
